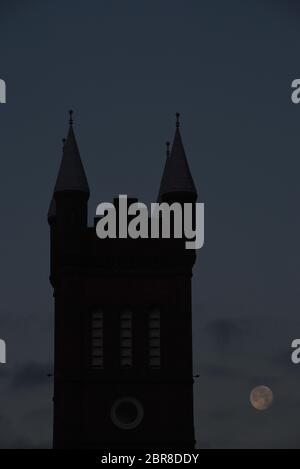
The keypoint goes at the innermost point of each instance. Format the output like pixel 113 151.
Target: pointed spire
pixel 177 175
pixel 71 175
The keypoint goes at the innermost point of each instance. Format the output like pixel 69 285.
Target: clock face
pixel 127 413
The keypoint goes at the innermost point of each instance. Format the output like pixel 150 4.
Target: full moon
pixel 261 398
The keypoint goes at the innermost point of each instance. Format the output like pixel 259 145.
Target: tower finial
pixel 71 112
pixel 168 149
pixel 71 175
pixel 177 182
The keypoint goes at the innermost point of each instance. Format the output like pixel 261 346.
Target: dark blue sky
pixel 126 68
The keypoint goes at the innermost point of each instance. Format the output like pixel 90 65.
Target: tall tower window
pixel 97 339
pixel 126 339
pixel 154 339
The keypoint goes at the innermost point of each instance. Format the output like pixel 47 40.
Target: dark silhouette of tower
pixel 123 375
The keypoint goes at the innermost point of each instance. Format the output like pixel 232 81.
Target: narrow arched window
pixel 154 339
pixel 97 339
pixel 126 339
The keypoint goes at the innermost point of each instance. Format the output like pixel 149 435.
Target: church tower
pixel 123 374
